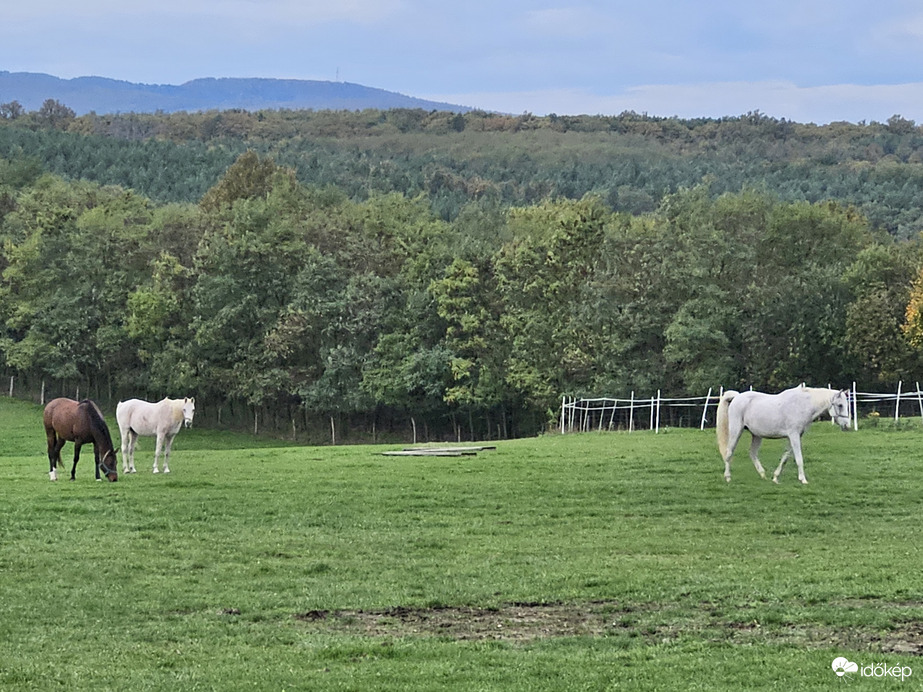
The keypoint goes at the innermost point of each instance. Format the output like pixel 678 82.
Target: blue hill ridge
pixel 102 95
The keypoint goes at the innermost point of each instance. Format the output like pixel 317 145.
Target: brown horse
pixel 81 422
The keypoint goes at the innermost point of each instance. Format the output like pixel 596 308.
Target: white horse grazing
pixel 787 414
pixel 163 419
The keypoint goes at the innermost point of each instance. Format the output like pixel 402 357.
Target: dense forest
pixel 371 272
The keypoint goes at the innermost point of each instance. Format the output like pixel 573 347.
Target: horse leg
pixel 754 455
pixel 157 449
pixel 54 455
pixel 735 430
pixel 96 459
pixel 126 446
pixel 168 444
pixel 76 459
pixel 799 459
pixel 128 460
pixel 788 453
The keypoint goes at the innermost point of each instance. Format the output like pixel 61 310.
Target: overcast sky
pixel 804 60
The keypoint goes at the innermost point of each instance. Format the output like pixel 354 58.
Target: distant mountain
pixel 102 95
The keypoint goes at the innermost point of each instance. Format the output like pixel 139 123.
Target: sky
pixel 804 60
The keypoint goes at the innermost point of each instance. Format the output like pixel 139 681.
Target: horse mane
pixel 821 395
pixel 97 421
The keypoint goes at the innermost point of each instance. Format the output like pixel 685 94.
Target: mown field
pixel 581 562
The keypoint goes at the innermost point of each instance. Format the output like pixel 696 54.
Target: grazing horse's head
pixel 839 410
pixel 188 410
pixel 109 466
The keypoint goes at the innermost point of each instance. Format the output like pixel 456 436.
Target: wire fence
pixel 655 412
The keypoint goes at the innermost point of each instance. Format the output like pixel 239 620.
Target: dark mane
pixel 97 421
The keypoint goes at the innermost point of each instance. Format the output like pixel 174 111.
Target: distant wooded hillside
pixel 630 161
pixel 101 95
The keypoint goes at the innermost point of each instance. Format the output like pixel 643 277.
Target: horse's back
pixel 127 405
pixel 746 401
pixel 74 420
pixel 773 415
pixel 59 413
pixel 131 410
pixel 144 417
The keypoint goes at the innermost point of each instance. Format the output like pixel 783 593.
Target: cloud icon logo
pixel 842 665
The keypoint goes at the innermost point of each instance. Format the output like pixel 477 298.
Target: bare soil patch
pixel 525 622
pixel 514 621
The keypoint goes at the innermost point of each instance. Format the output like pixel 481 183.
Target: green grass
pixel 259 566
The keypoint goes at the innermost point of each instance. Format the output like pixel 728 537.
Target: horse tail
pixel 721 425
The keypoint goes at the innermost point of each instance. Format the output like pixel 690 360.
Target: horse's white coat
pixel 137 417
pixel 787 414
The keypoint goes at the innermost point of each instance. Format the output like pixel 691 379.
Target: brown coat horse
pixel 81 422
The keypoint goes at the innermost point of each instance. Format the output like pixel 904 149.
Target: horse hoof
pixel 156 471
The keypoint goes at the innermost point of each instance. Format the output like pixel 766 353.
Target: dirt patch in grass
pixel 650 622
pixel 905 639
pixel 514 621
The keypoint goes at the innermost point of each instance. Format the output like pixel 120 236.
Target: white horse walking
pixel 787 414
pixel 137 417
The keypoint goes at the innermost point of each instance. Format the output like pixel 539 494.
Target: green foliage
pixel 468 303
pixel 542 277
pixel 632 161
pixel 294 299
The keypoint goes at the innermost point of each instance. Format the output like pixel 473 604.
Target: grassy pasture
pixel 596 561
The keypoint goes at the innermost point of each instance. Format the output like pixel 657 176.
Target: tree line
pixel 630 161
pixel 309 309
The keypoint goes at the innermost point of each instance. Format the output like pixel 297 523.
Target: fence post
pixel 705 409
pixel 920 400
pixel 11 387
pixel 563 412
pixel 897 402
pixel 658 411
pixel 631 413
